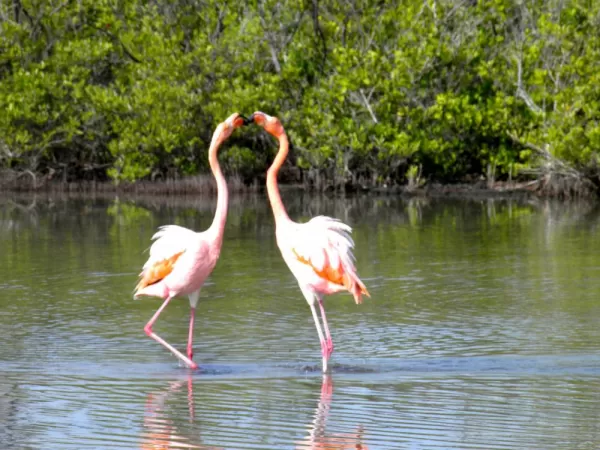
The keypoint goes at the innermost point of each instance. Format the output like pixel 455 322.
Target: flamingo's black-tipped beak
pixel 249 120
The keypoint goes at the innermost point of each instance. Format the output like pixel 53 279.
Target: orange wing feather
pixel 157 271
pixel 335 275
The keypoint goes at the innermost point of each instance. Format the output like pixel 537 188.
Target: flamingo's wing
pixel 170 242
pixel 325 244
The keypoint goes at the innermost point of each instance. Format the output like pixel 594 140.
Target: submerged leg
pixel 329 341
pixel 190 352
pixel 191 398
pixel 148 329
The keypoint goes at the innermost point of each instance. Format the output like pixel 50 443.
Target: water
pixel 482 331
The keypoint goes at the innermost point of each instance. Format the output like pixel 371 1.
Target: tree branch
pixel 556 164
pixel 116 39
pixel 521 93
pixel 319 31
pixel 368 105
pixel 274 56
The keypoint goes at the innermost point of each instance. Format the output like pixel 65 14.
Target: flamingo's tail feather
pixel 356 287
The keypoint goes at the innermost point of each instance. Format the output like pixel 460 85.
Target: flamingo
pixel 318 252
pixel 180 259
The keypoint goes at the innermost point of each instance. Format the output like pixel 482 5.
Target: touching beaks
pixel 257 117
pixel 247 121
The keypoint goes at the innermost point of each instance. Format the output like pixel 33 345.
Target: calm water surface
pixel 483 330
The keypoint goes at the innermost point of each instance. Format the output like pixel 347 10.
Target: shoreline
pixel 205 186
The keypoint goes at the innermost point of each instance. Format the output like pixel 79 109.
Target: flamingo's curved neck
pixel 272 188
pixel 218 224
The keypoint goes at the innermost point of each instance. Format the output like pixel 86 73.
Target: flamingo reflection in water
pixel 160 432
pixel 318 439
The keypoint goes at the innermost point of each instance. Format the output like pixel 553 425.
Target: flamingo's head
pixel 271 124
pixel 234 121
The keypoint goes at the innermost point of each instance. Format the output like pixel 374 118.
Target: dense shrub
pixel 370 92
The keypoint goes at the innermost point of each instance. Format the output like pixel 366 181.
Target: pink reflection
pixel 160 432
pixel 318 438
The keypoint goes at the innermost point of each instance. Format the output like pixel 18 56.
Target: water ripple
pixel 481 332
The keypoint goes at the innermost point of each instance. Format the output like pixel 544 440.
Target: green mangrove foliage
pixel 371 92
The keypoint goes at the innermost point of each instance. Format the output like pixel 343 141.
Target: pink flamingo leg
pixel 329 341
pixel 321 337
pixel 190 352
pixel 148 330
